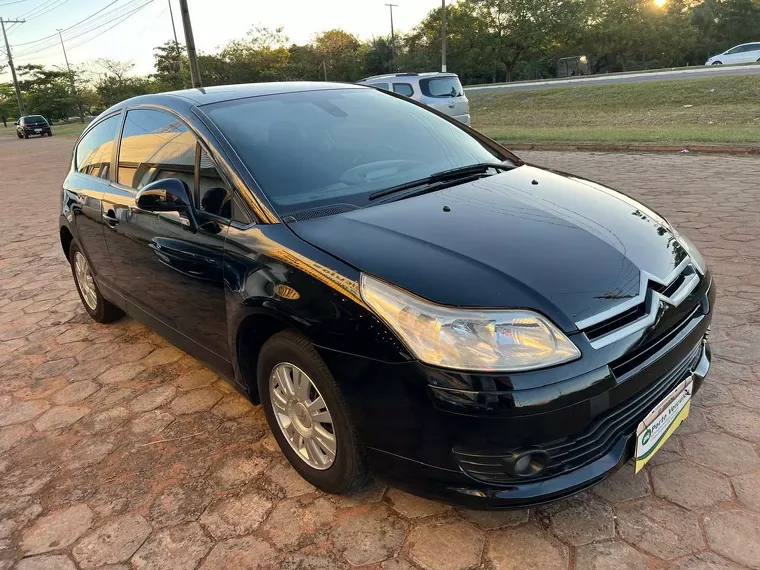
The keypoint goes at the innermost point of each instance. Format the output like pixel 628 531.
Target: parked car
pixel 441 91
pixel 29 125
pixel 744 53
pixel 402 295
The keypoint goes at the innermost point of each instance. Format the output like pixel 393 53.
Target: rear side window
pixel 93 155
pixel 404 89
pixel 385 86
pixel 155 145
pixel 447 86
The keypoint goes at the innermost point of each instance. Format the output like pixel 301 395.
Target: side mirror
pixel 167 195
pixel 16 123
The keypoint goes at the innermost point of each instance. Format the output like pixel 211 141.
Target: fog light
pixel 526 463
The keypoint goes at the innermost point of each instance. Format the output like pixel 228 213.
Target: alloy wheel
pixel 302 415
pixel 85 281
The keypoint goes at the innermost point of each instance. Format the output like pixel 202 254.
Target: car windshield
pixel 447 86
pixel 320 148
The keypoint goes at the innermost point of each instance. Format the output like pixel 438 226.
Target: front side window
pixel 155 145
pixel 319 148
pixel 443 87
pixel 93 154
pixel 735 50
pixel 404 89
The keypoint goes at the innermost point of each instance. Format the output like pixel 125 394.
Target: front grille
pixel 595 441
pixel 645 307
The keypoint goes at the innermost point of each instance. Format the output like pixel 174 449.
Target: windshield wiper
pixel 444 175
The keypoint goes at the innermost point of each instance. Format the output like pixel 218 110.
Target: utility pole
pixel 71 79
pixel 176 43
pixel 10 63
pixel 393 37
pixel 443 36
pixel 192 55
pixel 323 65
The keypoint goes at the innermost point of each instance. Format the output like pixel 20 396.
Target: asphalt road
pixel 665 75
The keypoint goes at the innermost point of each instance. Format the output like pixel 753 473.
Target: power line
pixel 96 24
pixel 14 2
pixel 70 27
pixel 118 20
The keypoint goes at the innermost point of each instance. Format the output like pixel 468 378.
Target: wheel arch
pixel 67 238
pixel 251 334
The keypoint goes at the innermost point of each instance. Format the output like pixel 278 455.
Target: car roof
pixel 219 93
pixel 408 75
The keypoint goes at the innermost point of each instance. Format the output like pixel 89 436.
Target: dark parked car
pixel 33 125
pixel 403 296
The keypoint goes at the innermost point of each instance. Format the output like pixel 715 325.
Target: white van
pixel 442 91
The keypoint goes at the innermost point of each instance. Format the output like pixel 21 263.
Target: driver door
pixel 168 268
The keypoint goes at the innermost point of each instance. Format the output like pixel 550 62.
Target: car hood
pixel 528 238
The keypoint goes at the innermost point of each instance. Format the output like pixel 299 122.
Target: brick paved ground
pixel 118 449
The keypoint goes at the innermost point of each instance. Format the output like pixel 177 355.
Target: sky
pixel 215 22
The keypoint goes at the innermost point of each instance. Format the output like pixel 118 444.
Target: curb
pixel 709 149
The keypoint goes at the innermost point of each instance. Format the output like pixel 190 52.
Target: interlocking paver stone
pixel 451 545
pixel 60 416
pixel 689 485
pixel 739 421
pixel 721 452
pixel 46 562
pixel 605 555
pixel 174 548
pixel 75 392
pixel 411 506
pixel 580 519
pixel 526 546
pixel 624 484
pixel 370 534
pixel 660 529
pixel 181 503
pixel 735 535
pixel 248 552
pixel 236 515
pixel 113 542
pixel 496 519
pixel 294 523
pixel 195 401
pixel 132 455
pixel 56 530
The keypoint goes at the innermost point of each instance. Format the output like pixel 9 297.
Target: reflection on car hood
pixel 528 238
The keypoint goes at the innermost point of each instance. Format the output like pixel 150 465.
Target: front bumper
pixel 450 444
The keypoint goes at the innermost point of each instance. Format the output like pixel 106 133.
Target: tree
pixel 114 84
pixel 172 67
pixel 46 92
pixel 341 53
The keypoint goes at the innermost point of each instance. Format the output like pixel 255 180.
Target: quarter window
pixel 215 195
pixel 93 155
pixel 404 89
pixel 155 145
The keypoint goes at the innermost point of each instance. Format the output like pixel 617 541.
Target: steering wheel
pixel 381 147
pixel 361 174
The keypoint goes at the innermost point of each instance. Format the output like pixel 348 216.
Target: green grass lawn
pixel 720 111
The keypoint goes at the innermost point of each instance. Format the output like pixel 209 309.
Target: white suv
pixel 442 91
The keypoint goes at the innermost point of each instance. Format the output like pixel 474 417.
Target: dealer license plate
pixel 662 421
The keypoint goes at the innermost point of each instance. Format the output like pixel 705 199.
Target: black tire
pixel 349 468
pixel 26 136
pixel 104 311
pixel 19 135
pixel 717 63
pixel 50 134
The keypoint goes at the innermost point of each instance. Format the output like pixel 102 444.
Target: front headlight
pixel 691 249
pixel 468 339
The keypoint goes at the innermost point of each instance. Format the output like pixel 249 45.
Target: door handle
pixel 110 219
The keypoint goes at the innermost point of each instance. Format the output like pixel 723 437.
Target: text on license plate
pixel 662 421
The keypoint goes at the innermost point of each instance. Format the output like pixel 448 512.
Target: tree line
pixel 488 41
